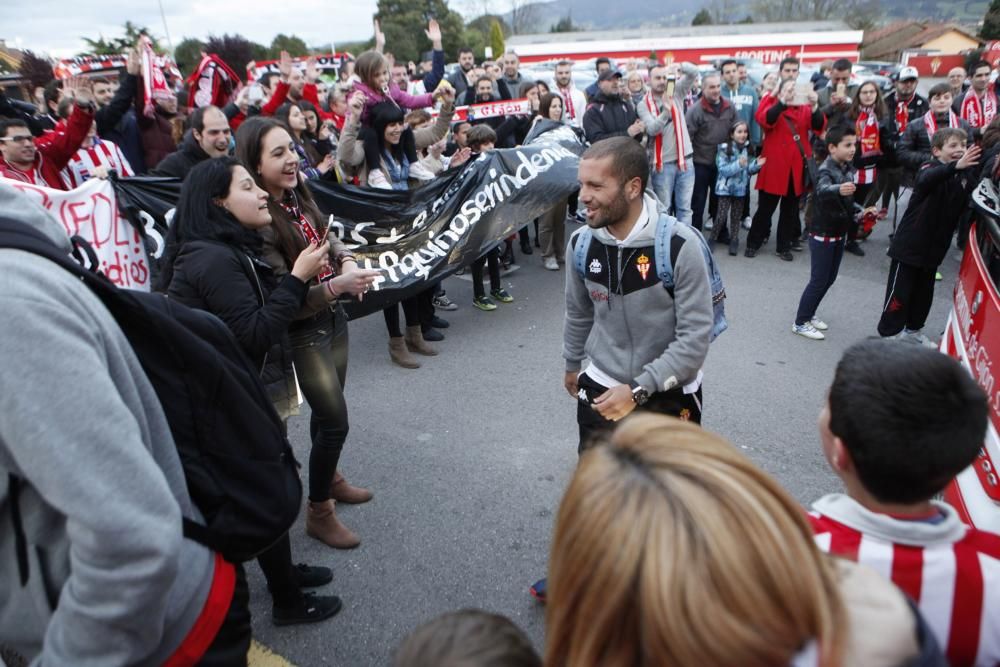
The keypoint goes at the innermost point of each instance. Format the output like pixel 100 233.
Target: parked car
pixel 882 68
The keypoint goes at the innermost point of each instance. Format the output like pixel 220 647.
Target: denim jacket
pixel 733 180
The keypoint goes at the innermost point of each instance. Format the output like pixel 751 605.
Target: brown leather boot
pixel 322 524
pixel 400 355
pixel 416 343
pixel 344 492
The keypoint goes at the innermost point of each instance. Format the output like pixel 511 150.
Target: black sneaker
pixel 433 335
pixel 439 323
pixel 309 576
pixel 750 252
pixel 311 608
pixel 785 255
pixel 854 249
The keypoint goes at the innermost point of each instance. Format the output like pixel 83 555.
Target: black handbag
pixel 809 170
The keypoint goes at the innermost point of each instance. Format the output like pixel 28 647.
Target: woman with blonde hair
pixel 672 549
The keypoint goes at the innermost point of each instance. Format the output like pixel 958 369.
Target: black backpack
pixel 240 469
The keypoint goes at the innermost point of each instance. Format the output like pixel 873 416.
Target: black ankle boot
pixel 310 608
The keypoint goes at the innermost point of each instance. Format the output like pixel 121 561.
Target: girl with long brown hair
pixel 319 334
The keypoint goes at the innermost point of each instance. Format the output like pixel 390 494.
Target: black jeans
pixel 232 641
pixel 704 181
pixel 411 312
pixel 320 348
pixel 593 426
pixel 789 227
pixel 824 263
pixel 493 259
pixel 909 294
pixel 276 564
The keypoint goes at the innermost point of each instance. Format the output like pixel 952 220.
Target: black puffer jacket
pixel 609 117
pixel 914 146
pixel 183 160
pixel 241 290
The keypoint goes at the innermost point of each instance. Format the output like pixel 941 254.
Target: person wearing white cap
pixel 904 105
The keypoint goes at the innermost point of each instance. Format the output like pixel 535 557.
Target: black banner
pixel 414 237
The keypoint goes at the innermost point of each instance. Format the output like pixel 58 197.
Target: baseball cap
pixel 908 73
pixel 609 74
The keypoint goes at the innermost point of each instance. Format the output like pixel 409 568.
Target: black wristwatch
pixel 639 394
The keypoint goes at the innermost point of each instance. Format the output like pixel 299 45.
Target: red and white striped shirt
pixel 951 571
pixel 102 154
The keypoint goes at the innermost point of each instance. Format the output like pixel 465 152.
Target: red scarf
pixel 678 134
pixel 567 95
pixel 979 114
pixel 306 229
pixel 153 81
pixel 213 82
pixel 930 122
pixel 868 135
pixel 902 114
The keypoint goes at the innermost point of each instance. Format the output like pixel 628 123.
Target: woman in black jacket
pixel 212 263
pixel 876 146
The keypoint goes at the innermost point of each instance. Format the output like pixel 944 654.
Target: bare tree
pixel 852 12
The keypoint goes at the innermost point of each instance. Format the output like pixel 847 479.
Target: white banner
pixel 91 212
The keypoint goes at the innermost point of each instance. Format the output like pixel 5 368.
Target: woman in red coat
pixel 780 179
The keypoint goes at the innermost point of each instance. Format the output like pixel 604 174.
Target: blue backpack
pixel 665 255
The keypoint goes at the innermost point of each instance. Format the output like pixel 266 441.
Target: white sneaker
pixel 807 330
pixel 551 264
pixel 914 336
pixel 747 222
pixel 708 224
pixel 819 324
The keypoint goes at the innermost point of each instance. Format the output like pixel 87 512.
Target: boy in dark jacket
pixel 940 195
pixel 832 218
pixel 914 147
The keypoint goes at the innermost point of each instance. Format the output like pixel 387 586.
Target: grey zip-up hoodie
pixel 112 581
pixel 623 319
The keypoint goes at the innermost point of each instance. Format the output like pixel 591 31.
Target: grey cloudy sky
pixel 56 26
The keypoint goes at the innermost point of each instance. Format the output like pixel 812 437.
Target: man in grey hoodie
pixel 94 568
pixel 645 346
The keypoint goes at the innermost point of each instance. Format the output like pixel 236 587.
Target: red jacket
pixel 55 150
pixel 784 162
pixel 309 93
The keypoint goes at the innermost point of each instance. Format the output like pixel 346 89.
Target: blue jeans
pixel 824 264
pixel 674 187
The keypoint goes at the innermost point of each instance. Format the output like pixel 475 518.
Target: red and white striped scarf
pixel 979 114
pixel 82 165
pixel 930 122
pixel 154 83
pixel 290 205
pixel 676 120
pixel 567 95
pixel 869 142
pixel 902 115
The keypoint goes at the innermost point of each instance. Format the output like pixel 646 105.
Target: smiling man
pixel 208 138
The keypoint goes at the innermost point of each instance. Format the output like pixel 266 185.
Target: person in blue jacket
pixel 734 167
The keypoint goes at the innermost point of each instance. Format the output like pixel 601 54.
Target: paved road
pixel 469 454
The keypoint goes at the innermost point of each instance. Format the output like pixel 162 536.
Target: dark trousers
pixel 593 426
pixel 909 294
pixel 704 182
pixel 411 311
pixel 232 641
pixel 493 259
pixel 789 227
pixel 276 564
pixel 320 348
pixel 824 262
pixel 730 212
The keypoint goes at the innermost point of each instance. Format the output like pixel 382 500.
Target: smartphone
pixel 256 94
pixel 842 89
pixel 802 91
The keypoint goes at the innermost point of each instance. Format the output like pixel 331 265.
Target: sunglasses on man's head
pixel 19 139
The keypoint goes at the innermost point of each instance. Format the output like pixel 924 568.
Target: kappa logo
pixel 595 265
pixel 582 395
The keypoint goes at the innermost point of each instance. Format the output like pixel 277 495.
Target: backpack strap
pixel 20 541
pixel 19 236
pixel 667 247
pixel 580 247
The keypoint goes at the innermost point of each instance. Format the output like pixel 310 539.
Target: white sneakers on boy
pixel 807 330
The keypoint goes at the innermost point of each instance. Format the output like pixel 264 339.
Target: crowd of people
pixel 660 515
